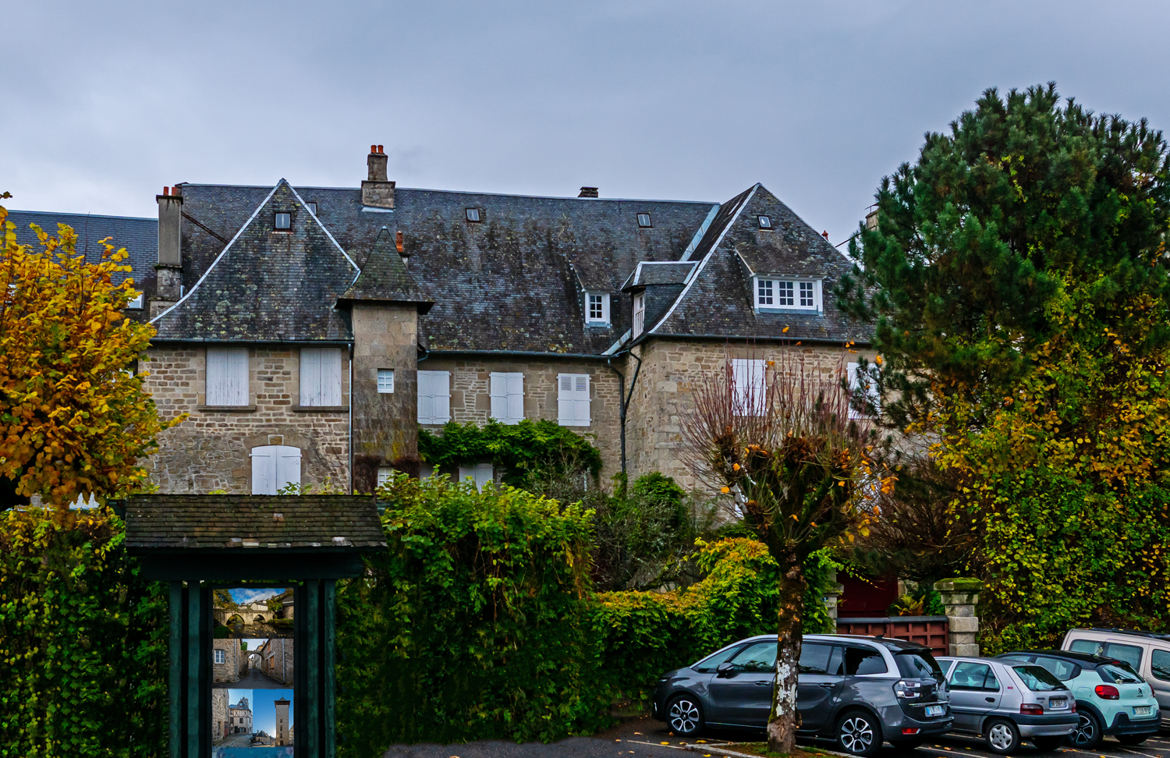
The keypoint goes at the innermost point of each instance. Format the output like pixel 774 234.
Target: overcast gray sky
pixel 102 103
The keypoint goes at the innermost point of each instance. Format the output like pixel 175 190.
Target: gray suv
pixel 857 691
pixel 1006 702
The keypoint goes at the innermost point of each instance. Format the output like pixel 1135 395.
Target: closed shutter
pixel 227 376
pixel 320 376
pixel 507 390
pixel 573 399
pixel 480 473
pixel 748 378
pixel 274 466
pixel 434 397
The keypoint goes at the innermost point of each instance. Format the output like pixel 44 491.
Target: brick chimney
pixel 169 271
pixel 377 190
pixel 588 192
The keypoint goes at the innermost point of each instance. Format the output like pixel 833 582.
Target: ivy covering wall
pixel 83 641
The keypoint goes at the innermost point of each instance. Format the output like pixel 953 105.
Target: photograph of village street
pixel 252 724
pixel 610 379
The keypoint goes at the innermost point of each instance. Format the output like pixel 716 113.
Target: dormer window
pixel 765 222
pixel 644 221
pixel 473 215
pixel 639 313
pixel 282 222
pixel 788 294
pixel 597 308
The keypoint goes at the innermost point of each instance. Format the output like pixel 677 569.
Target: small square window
pixel 765 292
pixel 385 380
pixel 385 474
pixel 135 302
pixel 312 206
pixel 786 293
pixel 807 299
pixel 220 657
pixel 283 221
pixel 765 222
pixel 473 215
pixel 644 220
pixel 596 308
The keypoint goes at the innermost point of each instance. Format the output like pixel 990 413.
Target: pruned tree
pixel 75 420
pixel 788 449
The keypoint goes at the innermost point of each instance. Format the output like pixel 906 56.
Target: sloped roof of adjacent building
pixel 138 235
pixel 251 522
pixel 266 284
pixel 384 278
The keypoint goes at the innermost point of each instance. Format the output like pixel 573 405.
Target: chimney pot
pixel 825 234
pixel 398 242
pixel 166 191
pixel 373 149
pixel 380 150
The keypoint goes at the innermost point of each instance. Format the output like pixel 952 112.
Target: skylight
pixel 644 220
pixel 282 221
pixel 765 222
pixel 473 215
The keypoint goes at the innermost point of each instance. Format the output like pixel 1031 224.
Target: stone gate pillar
pixel 960 597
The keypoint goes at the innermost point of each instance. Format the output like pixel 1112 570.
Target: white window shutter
pixel 515 397
pixel 331 376
pixel 310 376
pixel 507 393
pixel 573 400
pixel 288 466
pixel 480 473
pixel 264 470
pixel 434 397
pixel 320 376
pixel 747 376
pixel 499 392
pixel 227 376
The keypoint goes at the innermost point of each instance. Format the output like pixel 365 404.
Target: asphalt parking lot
pixel 651 739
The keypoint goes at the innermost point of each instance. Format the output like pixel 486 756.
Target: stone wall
pixel 229 671
pixel 471 395
pixel 210 449
pixel 664 394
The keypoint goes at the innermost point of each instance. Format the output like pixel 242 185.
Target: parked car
pixel 858 691
pixel 1147 653
pixel 1111 699
pixel 1007 703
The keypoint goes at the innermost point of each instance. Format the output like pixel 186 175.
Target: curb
pixel 722 751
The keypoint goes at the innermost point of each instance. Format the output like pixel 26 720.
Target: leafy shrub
pixel 83 640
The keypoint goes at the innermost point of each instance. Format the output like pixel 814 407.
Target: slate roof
pixel 267 285
pixel 384 278
pixel 650 273
pixel 252 522
pixel 138 235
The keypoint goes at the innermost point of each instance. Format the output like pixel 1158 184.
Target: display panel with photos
pixel 252 672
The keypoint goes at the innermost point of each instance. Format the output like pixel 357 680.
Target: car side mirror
pixel 724 670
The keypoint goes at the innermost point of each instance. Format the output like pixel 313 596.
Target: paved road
pixel 646 738
pixel 256 679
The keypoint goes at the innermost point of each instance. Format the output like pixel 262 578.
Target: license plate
pixel 1057 702
pixel 935 710
pixel 1143 710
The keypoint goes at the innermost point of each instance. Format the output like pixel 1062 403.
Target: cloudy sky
pixel 104 103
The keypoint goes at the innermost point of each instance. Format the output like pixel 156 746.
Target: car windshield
pixel 1038 679
pixel 1118 674
pixel 917 664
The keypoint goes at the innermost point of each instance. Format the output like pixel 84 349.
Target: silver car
pixel 1006 703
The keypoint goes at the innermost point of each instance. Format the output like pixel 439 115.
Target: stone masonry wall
pixel 385 428
pixel 210 449
pixel 663 395
pixel 471 396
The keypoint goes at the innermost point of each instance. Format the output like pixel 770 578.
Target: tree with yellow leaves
pixel 798 466
pixel 75 420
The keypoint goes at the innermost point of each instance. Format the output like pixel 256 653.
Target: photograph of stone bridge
pixel 253 612
pixel 251 662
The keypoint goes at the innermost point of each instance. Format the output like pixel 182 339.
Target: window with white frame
pixel 480 473
pixel 220 656
pixel 227 376
pixel 274 467
pixel 385 473
pixel 386 381
pixel 135 302
pixel 320 376
pixel 749 385
pixel 639 313
pixel 597 308
pixel 864 397
pixel 788 294
pixel 507 391
pixel 573 399
pixel 434 397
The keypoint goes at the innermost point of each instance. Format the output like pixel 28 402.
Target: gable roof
pixel 650 273
pixel 384 278
pixel 267 285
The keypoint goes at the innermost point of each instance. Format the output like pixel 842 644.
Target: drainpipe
pixel 350 415
pixel 624 399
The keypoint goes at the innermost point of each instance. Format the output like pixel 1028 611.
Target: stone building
pixel 308 332
pixel 283 734
pixel 276 659
pixel 219 715
pixel 228 662
pixel 240 717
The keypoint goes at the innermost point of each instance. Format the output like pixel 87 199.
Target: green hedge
pixel 83 645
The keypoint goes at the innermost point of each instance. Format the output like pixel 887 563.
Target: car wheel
pixel 684 716
pixel 1132 739
pixel 1047 744
pixel 1002 736
pixel 1088 731
pixel 858 733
